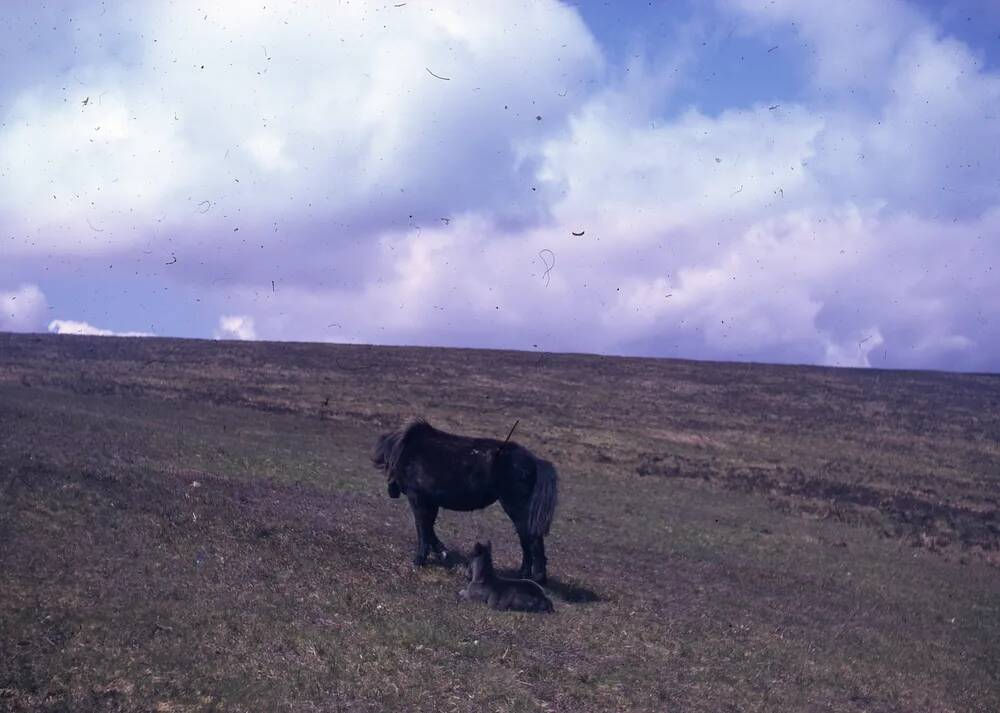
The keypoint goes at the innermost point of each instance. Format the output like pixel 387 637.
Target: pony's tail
pixel 543 499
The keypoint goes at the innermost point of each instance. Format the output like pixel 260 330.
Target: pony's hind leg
pixel 538 560
pixel 533 559
pixel 527 554
pixel 517 511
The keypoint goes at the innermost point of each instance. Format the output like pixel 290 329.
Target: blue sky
pixel 774 180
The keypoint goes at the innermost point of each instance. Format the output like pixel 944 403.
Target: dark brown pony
pixel 436 470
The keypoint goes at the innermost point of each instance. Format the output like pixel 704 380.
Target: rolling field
pixel 193 525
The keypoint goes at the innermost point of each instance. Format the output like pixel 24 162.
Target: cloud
pixel 65 326
pixel 239 327
pixel 22 309
pixel 237 117
pixel 315 180
pixel 753 256
pixel 841 286
pixel 847 44
pixel 793 234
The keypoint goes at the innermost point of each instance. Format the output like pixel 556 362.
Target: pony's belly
pixel 465 504
pixel 463 486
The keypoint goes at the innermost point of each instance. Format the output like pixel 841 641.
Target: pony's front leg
pixel 419 519
pixel 431 538
pixel 438 547
pixel 424 516
pixel 435 544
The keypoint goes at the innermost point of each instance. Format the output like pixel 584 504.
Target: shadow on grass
pixel 572 593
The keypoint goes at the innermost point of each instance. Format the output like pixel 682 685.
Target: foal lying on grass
pixel 498 592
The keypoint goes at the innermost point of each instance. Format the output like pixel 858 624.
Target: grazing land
pixel 192 525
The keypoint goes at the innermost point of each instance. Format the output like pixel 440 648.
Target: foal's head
pixel 481 565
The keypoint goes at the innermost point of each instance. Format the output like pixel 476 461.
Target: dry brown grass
pixel 186 526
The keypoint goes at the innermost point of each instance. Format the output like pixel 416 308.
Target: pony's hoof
pixel 419 561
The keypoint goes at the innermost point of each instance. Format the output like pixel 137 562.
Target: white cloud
pixel 856 355
pixel 239 327
pixel 847 44
pixel 641 181
pixel 805 234
pixel 66 326
pixel 842 286
pixel 22 309
pixel 315 109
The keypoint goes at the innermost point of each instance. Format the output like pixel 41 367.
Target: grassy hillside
pixel 190 525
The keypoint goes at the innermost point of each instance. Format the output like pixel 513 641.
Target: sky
pixel 743 180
